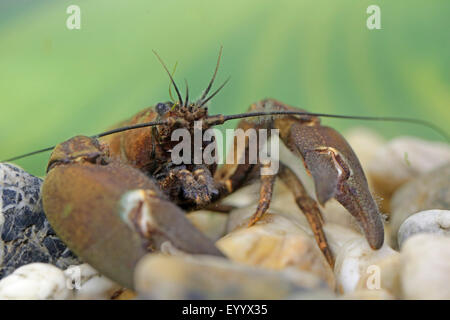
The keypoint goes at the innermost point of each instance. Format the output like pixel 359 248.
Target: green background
pixel 318 55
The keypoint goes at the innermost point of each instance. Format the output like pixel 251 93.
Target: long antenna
pixel 213 77
pixel 170 84
pixel 106 133
pixel 132 127
pixel 327 115
pixel 171 78
pixel 28 154
pixel 259 114
pixel 214 93
pixel 186 100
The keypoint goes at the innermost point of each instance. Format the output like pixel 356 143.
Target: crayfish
pixel 116 196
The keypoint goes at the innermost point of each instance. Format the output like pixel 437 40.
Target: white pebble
pixel 404 158
pixel 88 283
pixel 429 221
pixel 35 281
pixel 425 267
pixel 355 260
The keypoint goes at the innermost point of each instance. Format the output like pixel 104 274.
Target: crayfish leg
pixel 265 196
pixel 309 208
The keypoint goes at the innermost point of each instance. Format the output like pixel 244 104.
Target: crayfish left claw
pixel 338 174
pixel 87 197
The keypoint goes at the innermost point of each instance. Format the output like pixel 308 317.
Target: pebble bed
pixel 277 258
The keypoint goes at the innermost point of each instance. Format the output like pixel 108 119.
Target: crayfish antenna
pixel 425 123
pixel 205 93
pixel 170 76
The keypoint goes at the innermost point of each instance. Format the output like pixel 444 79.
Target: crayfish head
pixel 179 116
pixel 79 149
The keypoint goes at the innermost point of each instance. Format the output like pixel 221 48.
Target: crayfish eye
pixel 162 108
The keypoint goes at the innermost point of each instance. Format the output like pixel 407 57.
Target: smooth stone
pixel 25 234
pixel 245 196
pixel 35 281
pixel 356 259
pixel 385 273
pixel 401 160
pixel 365 142
pixel 88 283
pixel 276 242
pixel 426 192
pixel 429 221
pixel 212 224
pixel 334 213
pixel 159 276
pixel 338 236
pixel 425 267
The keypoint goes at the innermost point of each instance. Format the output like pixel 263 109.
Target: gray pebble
pixel 426 192
pixel 25 234
pixel 429 221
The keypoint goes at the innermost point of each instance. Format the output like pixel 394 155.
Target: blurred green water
pixel 318 55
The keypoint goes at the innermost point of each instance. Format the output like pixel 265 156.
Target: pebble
pixel 159 276
pixel 338 236
pixel 88 283
pixel 429 221
pixel 383 276
pixel 44 281
pixel 277 258
pixel 401 160
pixel 276 243
pixel 427 192
pixel 25 234
pixel 212 224
pixel 365 142
pixel 35 281
pixel 355 260
pixel 425 267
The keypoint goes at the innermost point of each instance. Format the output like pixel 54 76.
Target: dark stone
pixel 26 235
